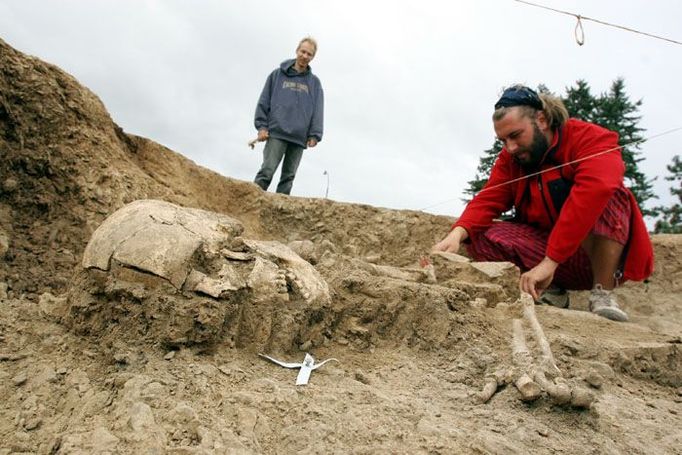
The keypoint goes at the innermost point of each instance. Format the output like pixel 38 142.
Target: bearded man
pixel 575 224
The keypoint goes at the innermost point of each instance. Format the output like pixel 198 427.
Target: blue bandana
pixel 519 96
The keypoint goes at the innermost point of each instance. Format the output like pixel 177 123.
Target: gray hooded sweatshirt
pixel 291 105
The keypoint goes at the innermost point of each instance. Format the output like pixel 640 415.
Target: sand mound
pixel 122 332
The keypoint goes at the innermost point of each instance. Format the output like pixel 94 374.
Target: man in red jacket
pixel 575 224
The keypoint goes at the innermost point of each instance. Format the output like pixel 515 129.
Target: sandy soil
pixel 413 355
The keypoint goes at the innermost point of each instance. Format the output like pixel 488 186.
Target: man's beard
pixel 536 150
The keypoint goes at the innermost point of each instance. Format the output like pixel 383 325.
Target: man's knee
pixel 506 241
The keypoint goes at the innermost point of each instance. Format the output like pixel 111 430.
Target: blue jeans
pixel 273 152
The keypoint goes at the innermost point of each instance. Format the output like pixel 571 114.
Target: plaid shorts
pixel 526 245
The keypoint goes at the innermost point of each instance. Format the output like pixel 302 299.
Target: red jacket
pixel 566 201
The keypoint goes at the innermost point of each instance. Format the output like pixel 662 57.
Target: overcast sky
pixel 409 86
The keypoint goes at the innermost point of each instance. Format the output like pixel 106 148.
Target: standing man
pixel 576 226
pixel 289 116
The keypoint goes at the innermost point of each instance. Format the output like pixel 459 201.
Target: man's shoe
pixel 554 296
pixel 603 303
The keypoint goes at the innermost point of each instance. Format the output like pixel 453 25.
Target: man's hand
pixel 263 135
pixel 538 278
pixel 312 142
pixel 450 244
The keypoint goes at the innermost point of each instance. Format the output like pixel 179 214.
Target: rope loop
pixel 579 32
pixel 559 166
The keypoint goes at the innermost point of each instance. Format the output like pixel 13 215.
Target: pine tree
pixel 580 102
pixel 483 170
pixel 671 217
pixel 614 111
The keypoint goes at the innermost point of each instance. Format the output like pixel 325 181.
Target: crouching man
pixel 575 224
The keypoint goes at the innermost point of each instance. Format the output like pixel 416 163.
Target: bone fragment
pixel 548 363
pixel 581 398
pixel 520 352
pixel 529 389
pixel 489 390
pixel 494 382
pixel 557 390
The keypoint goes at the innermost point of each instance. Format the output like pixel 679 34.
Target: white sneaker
pixel 603 303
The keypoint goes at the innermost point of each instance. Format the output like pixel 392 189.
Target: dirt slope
pixel 413 355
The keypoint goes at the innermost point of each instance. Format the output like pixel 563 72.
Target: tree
pixel 580 102
pixel 483 170
pixel 671 217
pixel 612 110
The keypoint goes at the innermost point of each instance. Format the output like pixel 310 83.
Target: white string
pixel 561 165
pixel 579 17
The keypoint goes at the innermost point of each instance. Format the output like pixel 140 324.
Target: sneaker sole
pixel 613 314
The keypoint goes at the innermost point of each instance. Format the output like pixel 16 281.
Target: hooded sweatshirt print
pixel 291 105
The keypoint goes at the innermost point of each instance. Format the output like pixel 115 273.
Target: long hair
pixel 554 109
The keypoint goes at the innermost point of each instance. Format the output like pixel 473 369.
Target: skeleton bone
pixel 197 279
pixel 530 390
pixel 493 382
pixel 548 363
pixel 302 276
pixel 532 378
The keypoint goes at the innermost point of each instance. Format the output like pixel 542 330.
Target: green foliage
pixel 612 110
pixel 671 217
pixel 483 170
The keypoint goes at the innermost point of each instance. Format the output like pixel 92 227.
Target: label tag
pixel 306 367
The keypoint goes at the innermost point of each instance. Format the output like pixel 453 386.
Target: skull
pixel 176 275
